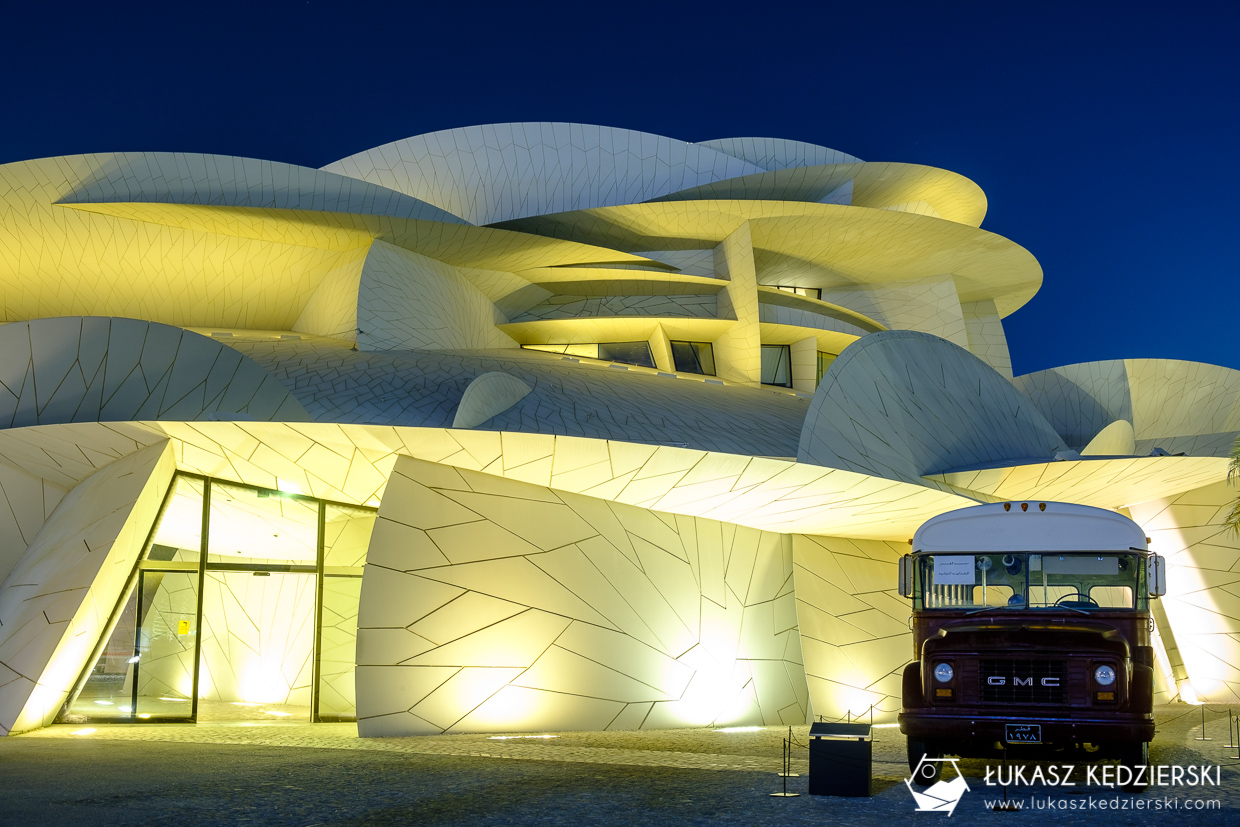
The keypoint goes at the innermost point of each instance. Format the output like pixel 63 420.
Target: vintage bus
pixel 1031 635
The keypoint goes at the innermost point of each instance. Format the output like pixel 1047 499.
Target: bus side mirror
pixel 906 576
pixel 1156 575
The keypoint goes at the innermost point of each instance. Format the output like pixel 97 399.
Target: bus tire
pixel 923 773
pixel 1136 757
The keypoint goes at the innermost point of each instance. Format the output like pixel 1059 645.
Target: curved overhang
pixel 155 236
pixel 1106 482
pixel 819 309
pixel 351 464
pixel 618 282
pixel 216 180
pixel 924 190
pixel 613 329
pixel 823 246
pixel 828 341
pixel 462 245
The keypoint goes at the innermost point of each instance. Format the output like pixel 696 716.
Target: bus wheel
pixel 1136 757
pixel 924 772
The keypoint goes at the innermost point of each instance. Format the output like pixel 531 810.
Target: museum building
pixel 538 426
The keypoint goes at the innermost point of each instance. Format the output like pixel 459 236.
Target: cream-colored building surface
pixel 528 427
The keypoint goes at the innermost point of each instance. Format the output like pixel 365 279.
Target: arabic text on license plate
pixel 1024 733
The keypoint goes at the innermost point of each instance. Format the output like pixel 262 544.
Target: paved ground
pixel 291 774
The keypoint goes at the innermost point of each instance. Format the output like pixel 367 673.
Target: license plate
pixel 1024 733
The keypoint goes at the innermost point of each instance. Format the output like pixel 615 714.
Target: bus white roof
pixel 1029 526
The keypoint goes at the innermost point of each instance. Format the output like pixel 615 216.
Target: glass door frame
pixel 135 714
pixel 202 566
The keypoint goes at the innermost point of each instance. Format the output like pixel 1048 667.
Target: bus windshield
pixel 1084 581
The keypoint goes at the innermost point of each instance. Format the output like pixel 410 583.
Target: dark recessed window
pixel 777 365
pixel 807 292
pixel 631 353
pixel 589 351
pixel 693 357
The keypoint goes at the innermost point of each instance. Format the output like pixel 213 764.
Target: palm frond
pixel 1232 520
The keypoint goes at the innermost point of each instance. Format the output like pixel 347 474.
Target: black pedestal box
pixel 841 757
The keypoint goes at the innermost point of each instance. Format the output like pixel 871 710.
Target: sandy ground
pixel 297 774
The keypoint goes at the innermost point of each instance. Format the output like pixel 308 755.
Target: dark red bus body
pixel 1030 667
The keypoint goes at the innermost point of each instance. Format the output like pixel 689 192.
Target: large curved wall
pixel 337 384
pixel 491 604
pixel 1177 406
pixel 902 405
pixel 1201 605
pixel 90 369
pixel 407 301
pixel 55 603
pixel 853 623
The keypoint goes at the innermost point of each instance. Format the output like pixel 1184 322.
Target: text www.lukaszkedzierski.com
pixel 1114 803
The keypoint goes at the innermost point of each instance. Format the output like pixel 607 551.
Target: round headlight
pixel 1104 675
pixel 944 672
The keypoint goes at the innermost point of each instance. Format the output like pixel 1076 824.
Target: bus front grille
pixel 1022 681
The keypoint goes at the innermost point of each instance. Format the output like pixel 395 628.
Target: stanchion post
pixel 1006 806
pixel 1005 801
pixel 788 762
pixel 1203 725
pixel 787 757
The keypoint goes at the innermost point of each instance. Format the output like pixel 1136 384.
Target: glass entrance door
pixel 257 645
pixel 162 672
pixel 258 615
pixel 243 608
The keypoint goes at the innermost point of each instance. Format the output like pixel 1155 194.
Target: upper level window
pixel 824 362
pixel 630 353
pixel 777 365
pixel 693 357
pixel 808 292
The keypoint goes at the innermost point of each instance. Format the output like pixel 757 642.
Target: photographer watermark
pixel 1103 775
pixel 942 795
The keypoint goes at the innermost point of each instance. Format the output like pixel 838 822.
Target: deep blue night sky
pixel 1104 134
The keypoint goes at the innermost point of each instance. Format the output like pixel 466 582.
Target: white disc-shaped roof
pixel 779 153
pixel 499 172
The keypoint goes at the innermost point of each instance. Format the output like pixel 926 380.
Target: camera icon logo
pixel 941 796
